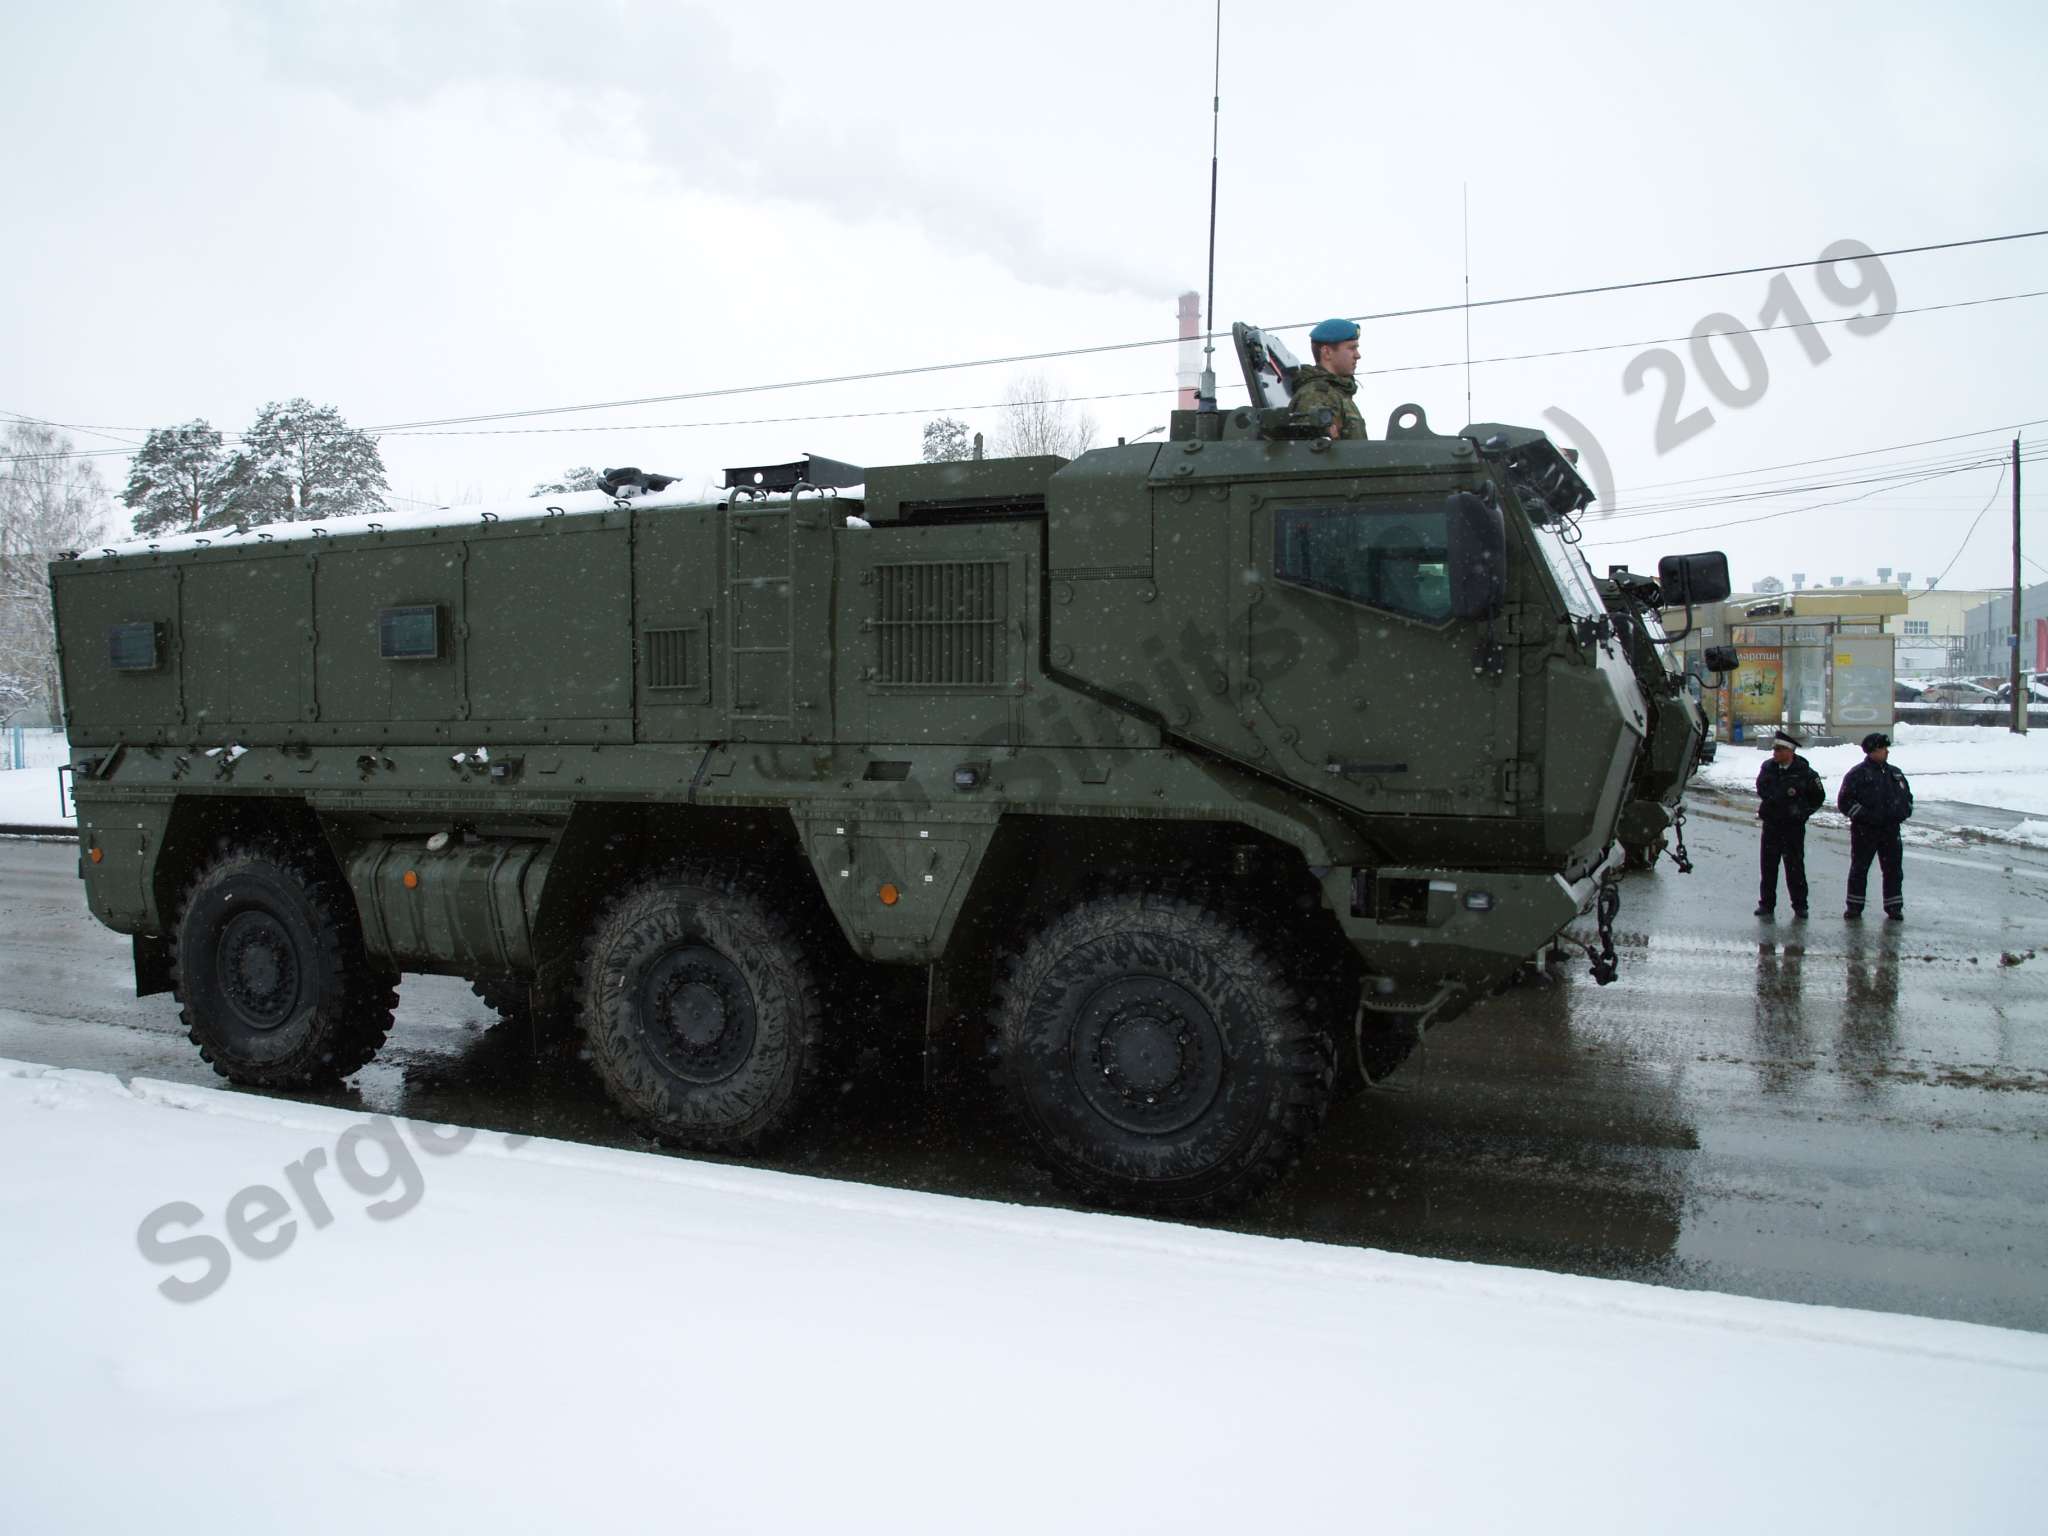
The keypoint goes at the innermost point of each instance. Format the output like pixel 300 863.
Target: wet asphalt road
pixel 1819 1112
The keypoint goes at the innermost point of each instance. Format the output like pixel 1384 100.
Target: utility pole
pixel 2019 691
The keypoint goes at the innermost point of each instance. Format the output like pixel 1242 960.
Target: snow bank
pixel 1977 765
pixel 545 1337
pixel 29 795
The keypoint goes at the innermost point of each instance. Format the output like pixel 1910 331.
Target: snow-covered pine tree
pixel 301 461
pixel 581 478
pixel 945 440
pixel 174 482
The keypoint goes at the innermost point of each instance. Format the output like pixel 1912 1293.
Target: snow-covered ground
pixel 479 1335
pixel 1973 765
pixel 28 794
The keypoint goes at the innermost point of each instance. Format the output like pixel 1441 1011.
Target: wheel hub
pixel 699 1014
pixel 259 970
pixel 1148 1054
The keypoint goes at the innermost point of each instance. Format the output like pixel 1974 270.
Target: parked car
pixel 1905 693
pixel 2037 689
pixel 1957 693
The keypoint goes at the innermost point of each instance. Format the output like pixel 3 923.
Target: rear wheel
pixel 1158 1056
pixel 270 970
pixel 703 1010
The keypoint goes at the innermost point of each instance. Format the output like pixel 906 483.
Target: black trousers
pixel 1882 844
pixel 1784 840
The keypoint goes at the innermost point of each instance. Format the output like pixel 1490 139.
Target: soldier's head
pixel 1877 746
pixel 1333 345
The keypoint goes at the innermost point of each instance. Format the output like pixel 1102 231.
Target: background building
pixel 1988 634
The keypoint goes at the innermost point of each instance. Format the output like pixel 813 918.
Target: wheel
pixel 275 987
pixel 507 996
pixel 703 1010
pixel 1157 1056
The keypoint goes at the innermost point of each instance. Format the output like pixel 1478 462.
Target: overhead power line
pixel 1593 529
pixel 1011 359
pixel 1133 394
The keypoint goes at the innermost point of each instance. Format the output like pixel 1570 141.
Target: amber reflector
pixel 890 895
pixel 412 879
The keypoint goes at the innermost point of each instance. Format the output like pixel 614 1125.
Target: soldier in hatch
pixel 1326 382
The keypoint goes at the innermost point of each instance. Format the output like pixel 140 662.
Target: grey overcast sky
pixel 416 211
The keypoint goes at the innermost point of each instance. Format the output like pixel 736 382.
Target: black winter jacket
pixel 1789 794
pixel 1875 795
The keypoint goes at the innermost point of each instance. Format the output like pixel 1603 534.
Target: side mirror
pixel 1478 554
pixel 1689 580
pixel 1721 658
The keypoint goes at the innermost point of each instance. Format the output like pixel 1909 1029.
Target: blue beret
pixel 1333 330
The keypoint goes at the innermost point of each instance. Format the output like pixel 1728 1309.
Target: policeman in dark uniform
pixel 1878 801
pixel 1787 791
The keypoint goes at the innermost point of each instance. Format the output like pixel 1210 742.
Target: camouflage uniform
pixel 1318 389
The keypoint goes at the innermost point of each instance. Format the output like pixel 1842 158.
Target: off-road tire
pixel 703 1010
pixel 1156 1055
pixel 507 996
pixel 272 980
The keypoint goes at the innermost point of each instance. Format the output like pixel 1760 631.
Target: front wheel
pixel 1158 1056
pixel 271 974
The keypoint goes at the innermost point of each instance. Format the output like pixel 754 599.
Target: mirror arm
pixel 1674 639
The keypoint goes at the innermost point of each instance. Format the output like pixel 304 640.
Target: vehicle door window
pixel 1391 554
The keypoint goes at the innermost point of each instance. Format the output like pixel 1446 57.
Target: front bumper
pixel 1473 926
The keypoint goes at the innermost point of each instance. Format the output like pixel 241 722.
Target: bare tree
pixel 1037 418
pixel 49 501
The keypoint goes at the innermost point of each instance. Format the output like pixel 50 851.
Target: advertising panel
pixel 1862 694
pixel 1757 690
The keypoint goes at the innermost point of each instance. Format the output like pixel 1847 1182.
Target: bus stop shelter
pixel 1817 663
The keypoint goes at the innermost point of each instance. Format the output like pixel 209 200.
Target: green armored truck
pixel 1679 740
pixel 1190 780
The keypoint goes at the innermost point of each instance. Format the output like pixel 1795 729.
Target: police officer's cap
pixel 1875 740
pixel 1331 332
pixel 1783 740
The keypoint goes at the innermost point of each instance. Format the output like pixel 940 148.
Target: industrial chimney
pixel 1190 350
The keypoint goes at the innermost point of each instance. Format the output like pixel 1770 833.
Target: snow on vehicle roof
pixel 397 522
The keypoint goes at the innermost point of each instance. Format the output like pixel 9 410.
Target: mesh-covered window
pixel 1391 554
pixel 942 624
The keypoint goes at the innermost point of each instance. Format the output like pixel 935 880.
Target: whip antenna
pixel 1465 203
pixel 1205 396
